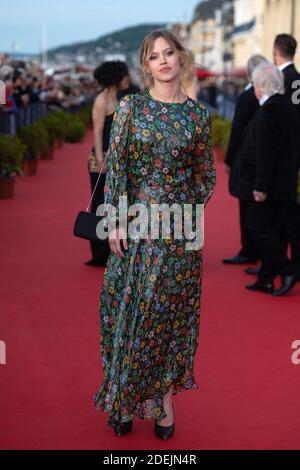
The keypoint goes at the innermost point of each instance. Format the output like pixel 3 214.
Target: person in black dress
pixel 109 75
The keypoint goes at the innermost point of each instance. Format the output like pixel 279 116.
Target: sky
pixel 24 23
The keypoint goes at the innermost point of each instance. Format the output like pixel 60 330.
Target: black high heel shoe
pixel 121 429
pixel 165 432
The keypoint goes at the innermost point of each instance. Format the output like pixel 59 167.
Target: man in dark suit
pixel 265 173
pixel 284 51
pixel 246 107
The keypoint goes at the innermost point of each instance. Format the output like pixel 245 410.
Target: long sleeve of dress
pixel 116 175
pixel 204 167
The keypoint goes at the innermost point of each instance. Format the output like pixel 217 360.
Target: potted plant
pixel 56 125
pixel 220 137
pixel 27 135
pixel 62 120
pixel 48 125
pixel 42 139
pixel 226 132
pixel 85 116
pixel 48 154
pixel 12 151
pixel 75 132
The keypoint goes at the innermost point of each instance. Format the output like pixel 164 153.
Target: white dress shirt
pixel 285 65
pixel 263 99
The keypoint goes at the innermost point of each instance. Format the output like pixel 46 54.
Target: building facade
pixel 280 16
pixel 257 23
pixel 206 35
pixel 224 34
pixel 247 34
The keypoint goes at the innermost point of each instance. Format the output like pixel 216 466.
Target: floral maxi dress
pixel 150 300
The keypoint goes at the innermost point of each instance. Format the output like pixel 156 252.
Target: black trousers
pixel 290 216
pixel 100 249
pixel 249 246
pixel 263 222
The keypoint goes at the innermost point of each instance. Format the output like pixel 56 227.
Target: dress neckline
pixel 165 103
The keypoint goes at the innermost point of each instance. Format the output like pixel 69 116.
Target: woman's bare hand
pixel 100 160
pixel 115 238
pixel 259 196
pixel 104 169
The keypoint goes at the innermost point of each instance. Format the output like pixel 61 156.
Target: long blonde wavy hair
pixel 186 57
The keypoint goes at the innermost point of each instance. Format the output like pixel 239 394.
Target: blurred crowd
pixel 26 83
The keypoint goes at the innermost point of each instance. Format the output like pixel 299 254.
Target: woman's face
pixel 164 62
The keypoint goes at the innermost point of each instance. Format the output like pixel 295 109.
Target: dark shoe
pixel 288 283
pixel 260 286
pixel 95 262
pixel 252 271
pixel 164 432
pixel 239 260
pixel 121 429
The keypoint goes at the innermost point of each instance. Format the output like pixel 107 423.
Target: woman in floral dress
pixel 160 153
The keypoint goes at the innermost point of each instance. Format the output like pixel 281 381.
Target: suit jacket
pixel 290 76
pixel 246 107
pixel 268 157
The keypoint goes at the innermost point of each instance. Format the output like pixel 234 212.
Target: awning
pixel 203 73
pixel 237 73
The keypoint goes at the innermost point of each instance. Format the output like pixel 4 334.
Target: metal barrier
pixel 12 119
pixel 226 109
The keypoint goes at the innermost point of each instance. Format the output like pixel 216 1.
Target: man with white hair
pixel 246 107
pixel 276 167
pixel 267 171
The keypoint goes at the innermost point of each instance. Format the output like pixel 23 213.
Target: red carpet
pixel 249 388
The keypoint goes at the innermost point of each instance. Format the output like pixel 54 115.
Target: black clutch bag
pixel 86 223
pixel 86 226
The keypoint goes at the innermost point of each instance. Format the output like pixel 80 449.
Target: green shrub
pixel 221 129
pixel 55 126
pixel 42 137
pixel 27 135
pixel 36 139
pixel 226 132
pixel 217 132
pixel 63 118
pixel 215 115
pixel 85 115
pixel 62 125
pixel 12 151
pixel 75 132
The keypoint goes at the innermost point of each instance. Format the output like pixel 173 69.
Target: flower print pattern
pixel 150 300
